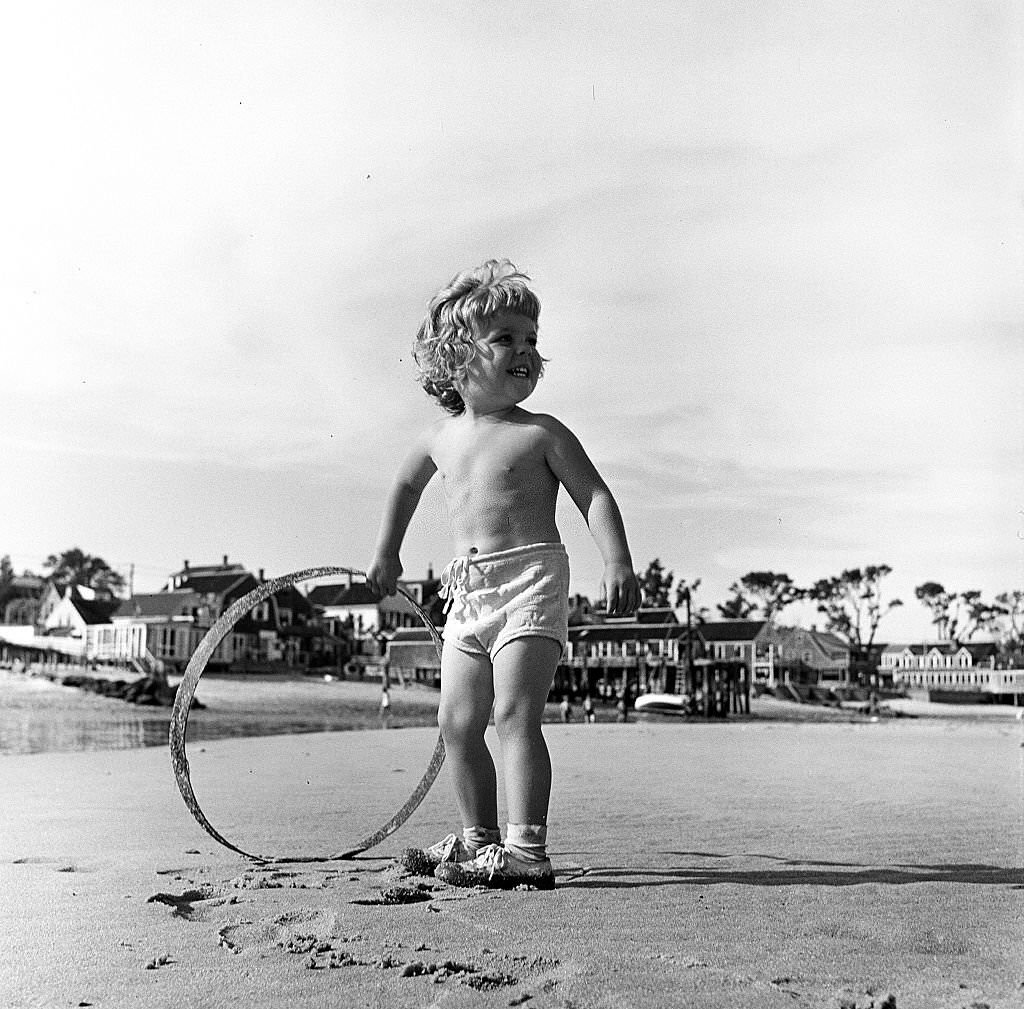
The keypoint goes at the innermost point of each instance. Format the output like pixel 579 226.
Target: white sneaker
pixel 423 861
pixel 496 867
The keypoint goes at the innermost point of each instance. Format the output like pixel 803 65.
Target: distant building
pixel 644 650
pixel 937 656
pixel 20 599
pixel 348 607
pixel 412 655
pixel 176 619
pixel 745 641
pixel 775 654
pixel 162 629
pixel 948 670
pixel 75 618
pixel 808 656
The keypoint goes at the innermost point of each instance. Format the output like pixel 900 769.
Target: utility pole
pixel 689 642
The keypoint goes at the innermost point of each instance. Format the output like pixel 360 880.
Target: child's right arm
pixel 399 507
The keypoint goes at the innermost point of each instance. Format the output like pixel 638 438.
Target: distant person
pixel 507 588
pixel 565 709
pixel 385 708
pixel 588 709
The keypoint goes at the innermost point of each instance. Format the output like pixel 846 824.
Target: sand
pixel 748 864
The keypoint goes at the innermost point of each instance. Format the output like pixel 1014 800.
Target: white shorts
pixel 495 598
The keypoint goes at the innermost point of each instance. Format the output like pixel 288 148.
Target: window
pixel 167 642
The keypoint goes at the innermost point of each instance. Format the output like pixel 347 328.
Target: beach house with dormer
pixel 951 670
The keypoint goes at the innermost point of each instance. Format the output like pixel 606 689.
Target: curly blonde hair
pixel 444 344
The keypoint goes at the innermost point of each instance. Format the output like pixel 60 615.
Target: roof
pixel 346 596
pixel 291 598
pixel 656 615
pixel 322 595
pixel 631 631
pixel 830 641
pixel 95 611
pixel 177 603
pixel 356 594
pixel 732 630
pixel 978 648
pixel 828 644
pixel 215 579
pixel 215 584
pixel 202 570
pixel 919 648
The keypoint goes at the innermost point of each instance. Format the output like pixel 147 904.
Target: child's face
pixel 506 367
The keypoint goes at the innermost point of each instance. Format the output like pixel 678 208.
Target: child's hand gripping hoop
pixel 187 689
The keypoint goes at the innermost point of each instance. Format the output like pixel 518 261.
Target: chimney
pixel 186 564
pixel 261 579
pixel 430 571
pixel 225 564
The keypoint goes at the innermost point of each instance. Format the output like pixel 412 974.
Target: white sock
pixel 478 837
pixel 527 841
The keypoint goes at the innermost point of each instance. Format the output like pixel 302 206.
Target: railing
pixel 148 664
pixel 967 681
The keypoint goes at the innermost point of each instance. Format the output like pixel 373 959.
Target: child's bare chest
pixel 493 461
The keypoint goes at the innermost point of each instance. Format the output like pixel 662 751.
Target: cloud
pixel 778 250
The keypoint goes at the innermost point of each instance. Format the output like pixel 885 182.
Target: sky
pixel 778 248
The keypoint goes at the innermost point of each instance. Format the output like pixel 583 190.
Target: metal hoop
pixel 187 688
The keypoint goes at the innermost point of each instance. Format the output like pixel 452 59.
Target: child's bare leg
pixel 467 695
pixel 523 672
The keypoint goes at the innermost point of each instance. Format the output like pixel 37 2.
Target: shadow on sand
pixel 790 872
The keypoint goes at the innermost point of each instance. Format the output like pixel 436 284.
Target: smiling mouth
pixel 520 372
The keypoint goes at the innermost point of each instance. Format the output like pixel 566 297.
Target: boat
pixel 662 704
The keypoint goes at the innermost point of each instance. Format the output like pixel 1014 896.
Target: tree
pixel 738 606
pixel 1012 604
pixel 853 606
pixel 943 606
pixel 6 571
pixel 771 592
pixel 760 590
pixel 75 567
pixel 655 585
pixel 981 616
pixel 958 617
pixel 684 590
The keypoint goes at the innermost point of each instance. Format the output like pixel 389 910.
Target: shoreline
pixel 38 715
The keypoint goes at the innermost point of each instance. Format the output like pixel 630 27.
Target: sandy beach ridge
pixel 756 864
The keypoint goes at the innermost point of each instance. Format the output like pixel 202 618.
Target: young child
pixel 507 588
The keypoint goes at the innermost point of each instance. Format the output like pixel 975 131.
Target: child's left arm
pixel 579 476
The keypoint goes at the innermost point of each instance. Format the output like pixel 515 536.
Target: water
pixel 39 716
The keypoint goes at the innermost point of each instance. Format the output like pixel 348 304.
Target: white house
pixel 75 617
pixel 946 667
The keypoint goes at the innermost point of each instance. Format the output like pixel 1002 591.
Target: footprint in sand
pixel 305 931
pixel 399 895
pixel 182 904
pixel 62 864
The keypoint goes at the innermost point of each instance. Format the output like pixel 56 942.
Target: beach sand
pixel 745 864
